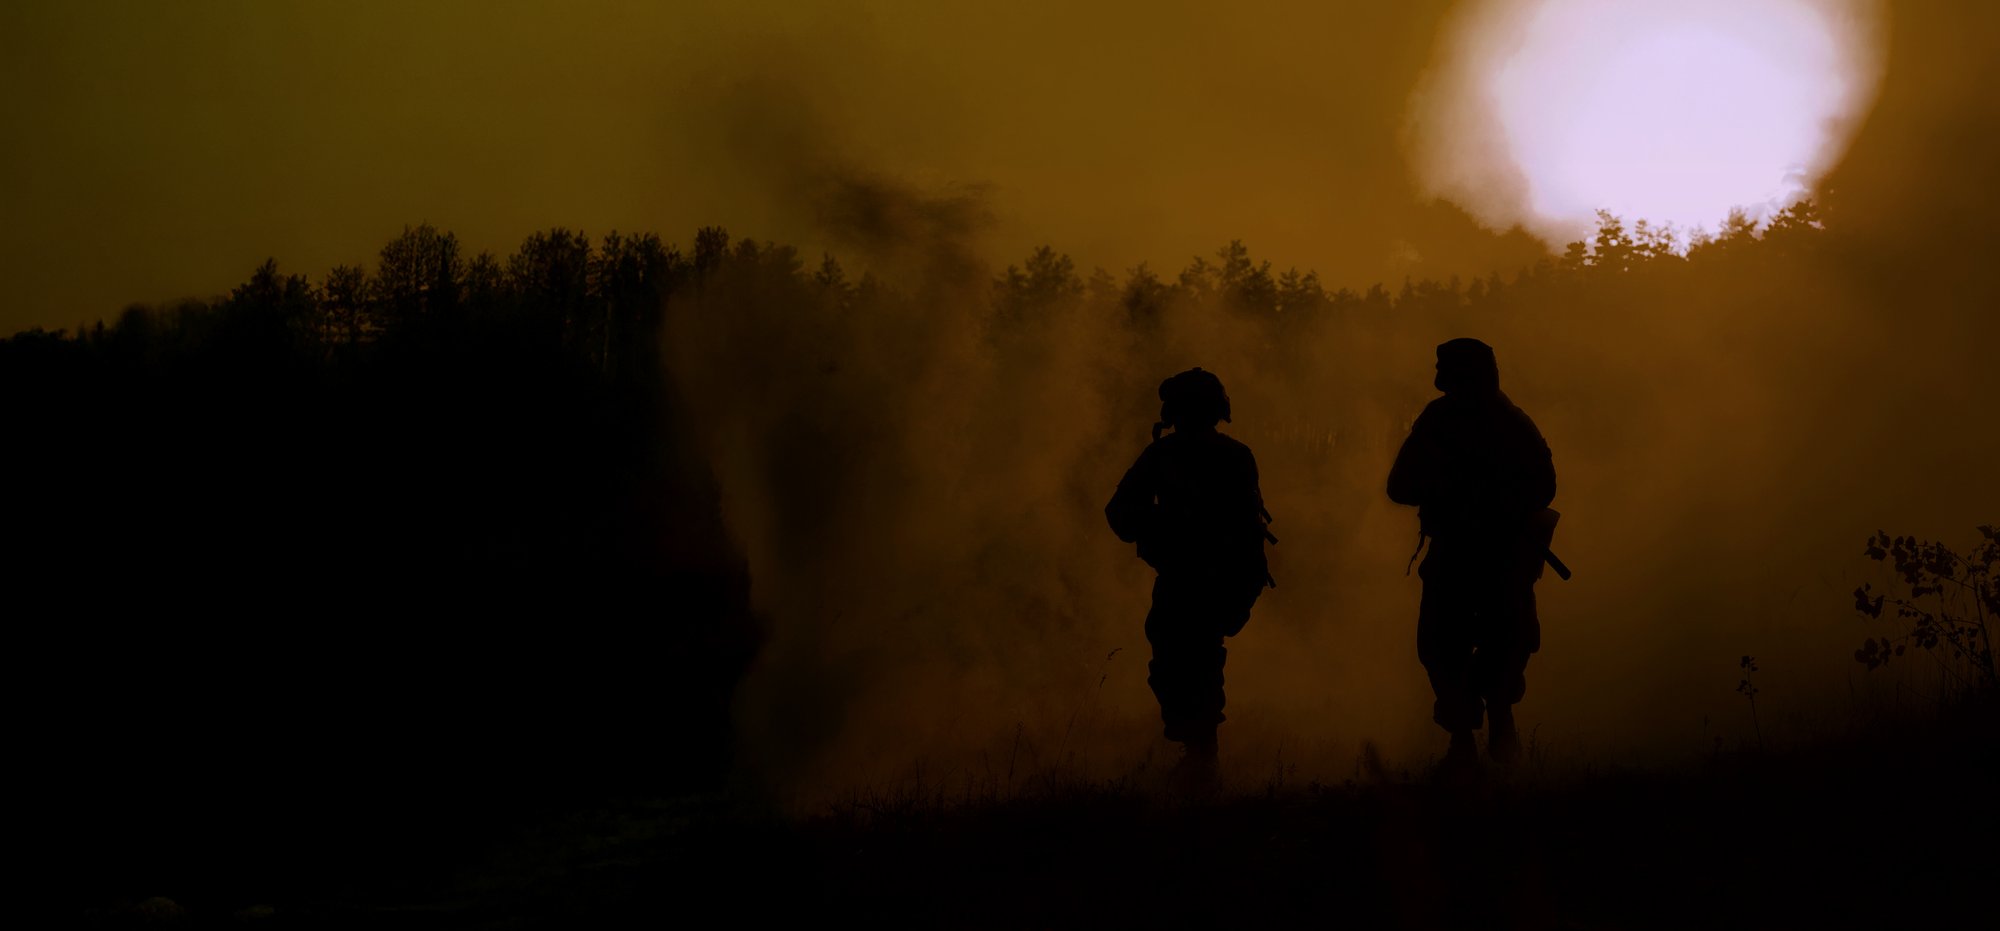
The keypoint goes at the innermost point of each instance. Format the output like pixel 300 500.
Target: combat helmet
pixel 1466 366
pixel 1193 396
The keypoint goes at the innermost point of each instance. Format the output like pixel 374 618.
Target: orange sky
pixel 162 150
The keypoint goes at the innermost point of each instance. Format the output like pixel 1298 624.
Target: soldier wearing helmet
pixel 1192 504
pixel 1482 477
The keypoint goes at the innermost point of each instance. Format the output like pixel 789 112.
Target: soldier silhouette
pixel 1483 478
pixel 1192 504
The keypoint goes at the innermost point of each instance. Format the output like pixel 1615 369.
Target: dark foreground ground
pixel 1893 827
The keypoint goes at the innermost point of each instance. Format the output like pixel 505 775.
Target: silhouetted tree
pixel 1046 284
pixel 1198 281
pixel 550 277
pixel 1576 256
pixel 1794 229
pixel 266 318
pixel 631 277
pixel 1613 249
pixel 1377 297
pixel 711 244
pixel 1101 290
pixel 419 275
pixel 1300 293
pixel 485 284
pixel 1651 243
pixel 345 305
pixel 830 277
pixel 1246 285
pixel 1145 297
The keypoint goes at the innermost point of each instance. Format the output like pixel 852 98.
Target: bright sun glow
pixel 1666 111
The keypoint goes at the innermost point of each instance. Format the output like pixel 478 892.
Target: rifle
pixel 1543 526
pixel 1555 562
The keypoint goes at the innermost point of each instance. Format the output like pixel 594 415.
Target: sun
pixel 1672 112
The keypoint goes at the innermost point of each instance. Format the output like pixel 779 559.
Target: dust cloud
pixel 915 462
pixel 914 443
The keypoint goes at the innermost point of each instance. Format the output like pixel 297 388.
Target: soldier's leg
pixel 1186 671
pixel 1501 666
pixel 1502 674
pixel 1445 647
pixel 1160 670
pixel 1500 671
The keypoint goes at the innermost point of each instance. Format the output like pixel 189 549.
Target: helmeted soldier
pixel 1483 479
pixel 1192 504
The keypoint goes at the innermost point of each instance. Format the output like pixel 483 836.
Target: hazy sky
pixel 158 150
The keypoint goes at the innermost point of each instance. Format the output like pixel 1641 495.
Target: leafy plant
pixel 1748 689
pixel 1943 606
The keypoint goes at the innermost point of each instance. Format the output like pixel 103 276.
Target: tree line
pixel 600 302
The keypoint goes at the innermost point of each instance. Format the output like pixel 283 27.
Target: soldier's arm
pixel 1545 478
pixel 1259 526
pixel 1256 491
pixel 1130 512
pixel 1411 478
pixel 1539 478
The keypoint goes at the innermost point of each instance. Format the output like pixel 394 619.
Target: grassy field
pixel 1892 825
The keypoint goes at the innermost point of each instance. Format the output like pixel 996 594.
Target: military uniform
pixel 1480 472
pixel 1192 504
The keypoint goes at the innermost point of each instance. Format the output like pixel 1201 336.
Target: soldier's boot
pixel 1196 771
pixel 1503 742
pixel 1504 747
pixel 1463 754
